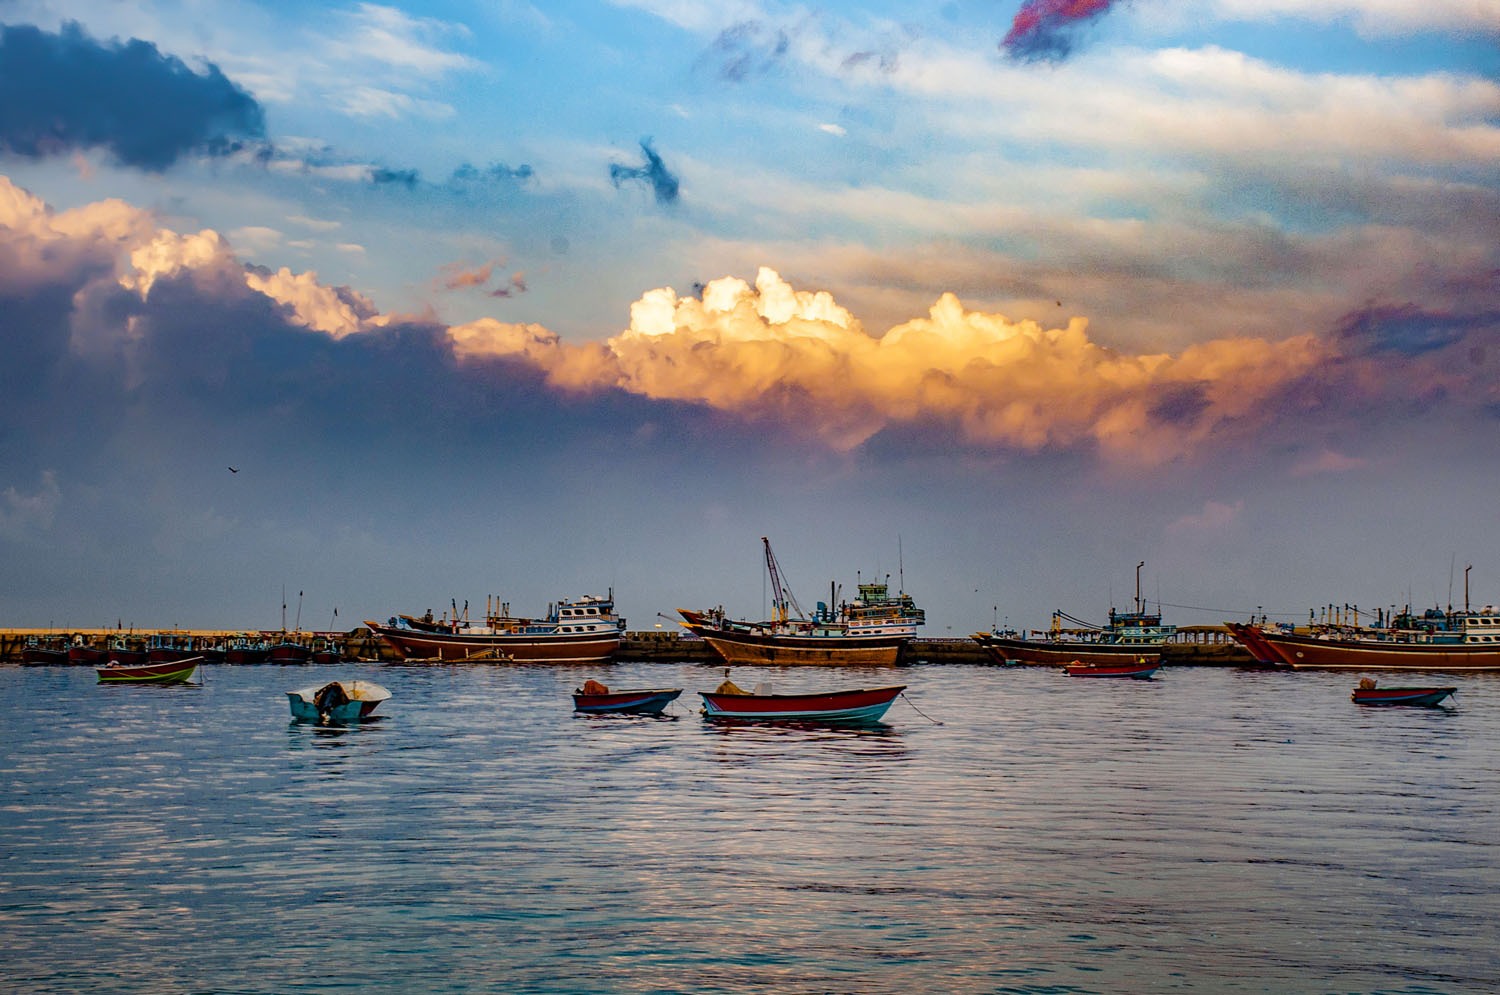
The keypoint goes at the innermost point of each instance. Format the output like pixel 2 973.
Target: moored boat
pixel 337 701
pixel 289 649
pixel 161 672
pixel 1369 693
pixel 245 648
pixel 585 630
pixel 869 631
pixel 858 705
pixel 44 651
pixel 1139 670
pixel 595 698
pixel 83 653
pixel 1129 637
pixel 1459 640
pixel 169 646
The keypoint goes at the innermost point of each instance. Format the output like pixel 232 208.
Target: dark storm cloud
pixel 654 173
pixel 1044 30
pixel 64 92
pixel 1409 330
pixel 1181 406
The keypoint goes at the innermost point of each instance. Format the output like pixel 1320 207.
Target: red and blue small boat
pixel 1140 670
pixel 1368 694
pixel 164 672
pixel 597 699
pixel 858 705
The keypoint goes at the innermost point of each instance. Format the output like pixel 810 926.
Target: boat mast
pixel 1139 607
pixel 1466 585
pixel 782 598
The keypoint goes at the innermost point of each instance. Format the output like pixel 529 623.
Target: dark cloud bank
pixel 65 92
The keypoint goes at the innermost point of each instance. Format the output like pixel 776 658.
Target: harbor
pixel 1197 646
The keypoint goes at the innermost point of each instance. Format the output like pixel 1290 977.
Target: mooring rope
pixel 924 715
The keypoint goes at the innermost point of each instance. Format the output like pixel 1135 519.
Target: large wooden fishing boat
pixel 583 631
pixel 1434 640
pixel 1133 637
pixel 869 631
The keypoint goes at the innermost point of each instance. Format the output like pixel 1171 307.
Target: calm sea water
pixel 1211 830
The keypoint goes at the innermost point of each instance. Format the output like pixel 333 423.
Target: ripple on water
pixel 1209 830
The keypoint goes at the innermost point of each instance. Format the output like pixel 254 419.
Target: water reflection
pixel 1215 830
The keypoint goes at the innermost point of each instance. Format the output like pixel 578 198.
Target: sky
pixel 530 301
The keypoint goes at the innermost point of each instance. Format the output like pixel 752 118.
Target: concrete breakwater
pixel 1192 646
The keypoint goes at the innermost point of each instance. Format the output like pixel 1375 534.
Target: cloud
pixel 654 174
pixel 1375 17
pixel 1327 461
pixel 399 41
pixel 749 48
pixel 1043 29
pixel 65 92
pixel 797 358
pixel 23 514
pixel 1216 516
pixel 795 365
pixel 456 276
pixel 1410 330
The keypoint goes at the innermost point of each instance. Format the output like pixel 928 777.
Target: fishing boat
pixel 245 648
pixel 1434 640
pixel 594 698
pixel 290 650
pixel 729 701
pixel 585 630
pixel 83 653
pixel 1129 637
pixel 337 701
pixel 325 649
pixel 44 652
pixel 1368 693
pixel 869 631
pixel 1140 669
pixel 162 672
pixel 169 646
pixel 127 652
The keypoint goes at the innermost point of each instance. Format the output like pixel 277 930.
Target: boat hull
pixel 1400 696
pixel 630 702
pixel 1309 652
pixel 35 656
pixel 750 648
pixel 1253 639
pixel 1004 649
pixel 165 672
pixel 83 655
pixel 860 705
pixel 289 653
pixel 567 647
pixel 1139 672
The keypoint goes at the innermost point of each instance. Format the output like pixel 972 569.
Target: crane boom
pixel 782 598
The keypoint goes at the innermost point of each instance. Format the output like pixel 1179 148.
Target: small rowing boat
pixel 858 705
pixel 1369 694
pixel 166 672
pixel 337 701
pixel 597 699
pixel 1140 670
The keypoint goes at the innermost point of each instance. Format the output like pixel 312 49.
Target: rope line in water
pixel 914 708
